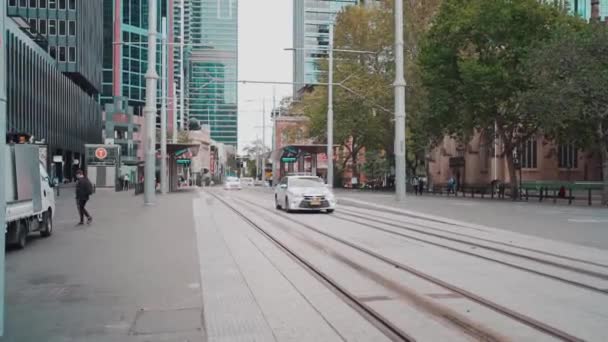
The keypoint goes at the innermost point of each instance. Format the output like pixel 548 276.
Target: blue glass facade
pixel 213 67
pixel 311 32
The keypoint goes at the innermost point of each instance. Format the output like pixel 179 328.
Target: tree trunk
pixel 605 174
pixel 512 173
pixel 603 145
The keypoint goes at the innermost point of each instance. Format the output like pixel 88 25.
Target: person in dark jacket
pixel 84 189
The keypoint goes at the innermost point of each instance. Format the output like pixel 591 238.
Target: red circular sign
pixel 101 153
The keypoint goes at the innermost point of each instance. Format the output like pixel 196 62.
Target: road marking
pixel 588 220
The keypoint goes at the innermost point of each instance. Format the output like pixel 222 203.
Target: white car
pixel 247 181
pixel 232 183
pixel 306 193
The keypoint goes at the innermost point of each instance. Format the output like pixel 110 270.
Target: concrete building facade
pixel 43 101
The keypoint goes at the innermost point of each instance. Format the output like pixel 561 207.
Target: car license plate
pixel 315 201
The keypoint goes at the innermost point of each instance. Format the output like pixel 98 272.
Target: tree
pixel 569 75
pixel 256 151
pixel 472 68
pixel 376 165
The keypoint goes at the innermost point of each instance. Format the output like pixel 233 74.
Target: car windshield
pixel 306 183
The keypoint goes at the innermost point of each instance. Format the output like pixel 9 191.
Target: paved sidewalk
pixel 132 275
pixel 579 225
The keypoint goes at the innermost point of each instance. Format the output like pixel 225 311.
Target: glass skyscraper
pixel 311 20
pixel 134 50
pixel 213 67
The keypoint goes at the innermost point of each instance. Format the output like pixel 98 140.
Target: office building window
pixel 23 3
pixel 52 27
pixel 567 156
pixel 42 26
pixel 73 5
pixel 62 27
pixel 62 4
pixel 32 3
pixel 62 53
pixel 53 52
pixel 33 25
pixel 12 3
pixel 72 27
pixel 72 54
pixel 528 155
pixel 52 4
pixel 42 4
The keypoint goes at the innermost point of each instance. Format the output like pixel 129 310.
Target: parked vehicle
pixel 29 194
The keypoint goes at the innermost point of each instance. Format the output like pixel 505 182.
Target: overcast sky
pixel 265 29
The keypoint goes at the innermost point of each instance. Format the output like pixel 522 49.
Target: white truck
pixel 30 199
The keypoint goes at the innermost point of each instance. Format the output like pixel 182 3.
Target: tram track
pixel 506 244
pixel 512 314
pixel 385 326
pixel 476 255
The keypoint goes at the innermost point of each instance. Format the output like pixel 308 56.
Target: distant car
pixel 247 181
pixel 232 183
pixel 307 193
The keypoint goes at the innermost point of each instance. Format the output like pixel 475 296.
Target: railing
pixel 560 190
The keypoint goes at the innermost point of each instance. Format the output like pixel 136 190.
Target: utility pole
pixel 150 110
pixel 2 154
pixel 163 112
pixel 274 133
pixel 181 76
pixel 400 167
pixel 263 141
pixel 330 111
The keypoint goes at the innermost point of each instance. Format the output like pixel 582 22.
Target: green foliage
pixel 376 165
pixel 569 86
pixel 472 67
pixel 363 108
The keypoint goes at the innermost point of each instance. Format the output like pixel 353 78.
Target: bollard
pixel 540 196
pixel 527 198
pixel 570 196
pixel 589 196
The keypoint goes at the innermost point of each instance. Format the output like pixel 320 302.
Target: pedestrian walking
pixel 420 185
pixel 125 182
pixel 451 185
pixel 84 189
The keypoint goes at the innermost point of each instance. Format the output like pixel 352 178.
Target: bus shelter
pixel 174 152
pixel 302 158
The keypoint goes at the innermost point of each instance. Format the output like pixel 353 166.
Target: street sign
pixel 288 159
pixel 101 153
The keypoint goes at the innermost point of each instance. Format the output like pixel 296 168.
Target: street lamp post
pixel 400 167
pixel 163 112
pixel 263 141
pixel 330 111
pixel 181 75
pixel 150 110
pixel 2 153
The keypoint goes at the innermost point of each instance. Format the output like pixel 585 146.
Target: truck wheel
pixel 22 232
pixel 47 224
